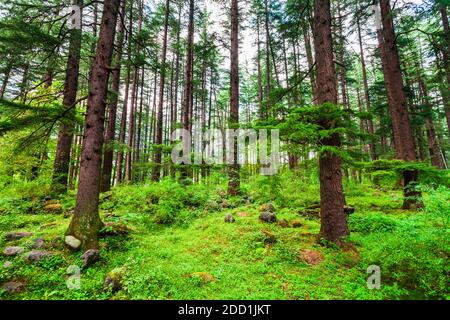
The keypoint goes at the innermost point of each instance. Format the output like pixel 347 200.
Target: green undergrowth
pixel 179 246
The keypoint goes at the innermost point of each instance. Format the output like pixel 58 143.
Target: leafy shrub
pixel 168 201
pixel 413 252
pixel 438 205
pixel 23 197
pixel 413 260
pixel 375 222
pixel 287 190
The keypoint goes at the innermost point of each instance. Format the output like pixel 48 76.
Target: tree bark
pixel 159 117
pixel 446 58
pixel 111 129
pixel 268 72
pixel 403 135
pixel 5 80
pixel 333 220
pixel 234 179
pixel 123 120
pixel 86 222
pixel 258 58
pixel 188 89
pixel 309 57
pixel 433 143
pixel 370 126
pixel 66 130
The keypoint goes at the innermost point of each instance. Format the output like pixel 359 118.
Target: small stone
pixel 283 223
pixel 57 242
pixel 111 215
pixel 221 193
pixel 37 255
pixel 50 202
pixel 13 251
pixel 243 214
pixel 114 229
pixel 39 243
pixel 90 257
pixel 72 242
pixel 68 214
pixel 268 207
pixel 114 279
pixel 249 200
pixel 225 204
pixel 311 213
pixel 311 257
pixel 205 277
pixel 53 208
pixel 268 217
pixel 229 218
pixel 349 210
pixel 13 287
pixel 11 236
pixel 269 238
pixel 48 225
pixel 212 205
pixel 106 195
pixel 297 224
pixel 7 264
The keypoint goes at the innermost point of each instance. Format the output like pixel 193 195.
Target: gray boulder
pixel 229 218
pixel 90 257
pixel 11 236
pixel 39 243
pixel 268 207
pixel 72 242
pixel 114 280
pixel 349 210
pixel 57 242
pixel 268 217
pixel 13 287
pixel 13 251
pixel 37 255
pixel 283 223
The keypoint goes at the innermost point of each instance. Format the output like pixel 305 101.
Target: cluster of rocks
pixel 39 252
pixel 267 215
pixel 38 247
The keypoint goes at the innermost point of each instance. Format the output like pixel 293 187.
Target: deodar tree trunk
pixel 111 128
pixel 159 116
pixel 403 135
pixel 66 130
pixel 86 222
pixel 333 220
pixel 234 180
pixel 188 85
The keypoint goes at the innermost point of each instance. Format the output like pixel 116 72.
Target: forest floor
pixel 174 250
